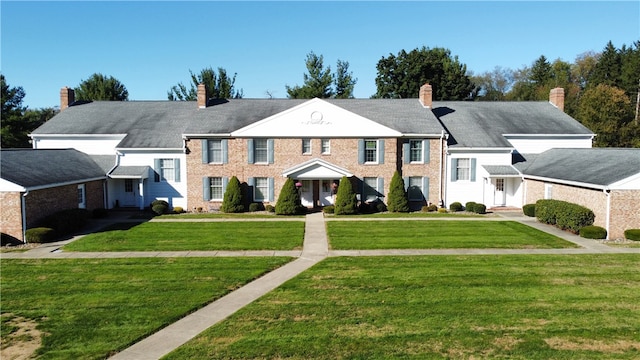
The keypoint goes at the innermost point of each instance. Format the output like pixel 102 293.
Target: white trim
pixel 75 182
pixel 205 136
pixel 566 182
pixel 607 219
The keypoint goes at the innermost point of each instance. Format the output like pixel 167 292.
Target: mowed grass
pixel 439 234
pixel 90 308
pixel 437 307
pixel 183 236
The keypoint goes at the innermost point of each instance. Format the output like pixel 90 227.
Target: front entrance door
pixel 499 198
pixel 306 193
pixel 326 193
pixel 129 193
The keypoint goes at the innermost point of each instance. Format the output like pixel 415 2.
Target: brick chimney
pixel 202 96
pixel 67 97
pixel 556 97
pixel 426 95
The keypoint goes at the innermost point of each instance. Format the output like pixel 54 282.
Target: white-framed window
pixel 370 188
pixel 463 169
pixel 261 189
pixel 415 191
pixel 548 191
pixel 82 199
pixel 217 188
pixel 215 151
pixel 415 151
pixel 370 151
pixel 167 169
pixel 261 151
pixel 128 185
pixel 306 146
pixel 326 146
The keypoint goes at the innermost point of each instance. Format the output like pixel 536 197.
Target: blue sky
pixel 151 45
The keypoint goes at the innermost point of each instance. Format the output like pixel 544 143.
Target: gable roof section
pixel 36 169
pixel 147 124
pixel 484 124
pixel 316 169
pixel 600 167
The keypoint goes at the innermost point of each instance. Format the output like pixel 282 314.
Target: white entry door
pixel 326 193
pixel 306 193
pixel 499 196
pixel 130 196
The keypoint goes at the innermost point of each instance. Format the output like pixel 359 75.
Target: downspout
pixel 443 160
pixel 23 204
pixel 607 193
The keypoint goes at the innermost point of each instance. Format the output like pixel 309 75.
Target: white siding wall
pixel 173 192
pixel 530 145
pixel 92 145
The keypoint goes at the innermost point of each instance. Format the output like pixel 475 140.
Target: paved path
pixel 315 249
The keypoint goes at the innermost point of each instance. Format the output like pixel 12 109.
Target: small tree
pixel 398 201
pixel 233 201
pixel 346 202
pixel 289 200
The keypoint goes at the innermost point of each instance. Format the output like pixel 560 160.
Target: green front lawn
pixel 438 234
pixel 440 307
pixel 91 308
pixel 183 236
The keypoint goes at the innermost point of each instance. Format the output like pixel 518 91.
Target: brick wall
pixel 11 216
pixel 624 211
pixel 288 153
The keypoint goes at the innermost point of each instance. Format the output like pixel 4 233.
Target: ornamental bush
pixel 529 210
pixel 470 206
pixel 233 201
pixel 256 206
pixel 270 208
pixel 346 201
pixel 565 215
pixel 397 199
pixel 160 207
pixel 39 235
pixel 632 234
pixel 330 209
pixel 593 232
pixel 455 206
pixel 289 202
pixel 480 209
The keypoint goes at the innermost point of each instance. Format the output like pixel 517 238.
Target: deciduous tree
pixel 101 87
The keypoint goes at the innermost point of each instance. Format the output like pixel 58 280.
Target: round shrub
pixel 160 207
pixel 470 206
pixel 256 206
pixel 270 208
pixel 178 210
pixel 432 208
pixel 442 210
pixel 480 208
pixel 593 232
pixel 529 210
pixel 330 209
pixel 455 206
pixel 632 234
pixel 39 235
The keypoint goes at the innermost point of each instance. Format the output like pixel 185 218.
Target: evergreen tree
pixel 398 201
pixel 346 202
pixel 344 81
pixel 317 83
pixel 219 86
pixel 233 201
pixel 289 202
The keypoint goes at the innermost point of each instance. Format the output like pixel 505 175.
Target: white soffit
pixel 315 119
pixel 316 169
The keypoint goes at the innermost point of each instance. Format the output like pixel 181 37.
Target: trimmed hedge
pixel 39 235
pixel 455 206
pixel 480 209
pixel 565 215
pixel 632 234
pixel 329 209
pixel 470 206
pixel 256 206
pixel 529 210
pixel 160 207
pixel 593 232
pixel 66 221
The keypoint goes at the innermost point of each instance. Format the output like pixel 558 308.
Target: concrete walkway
pixel 315 249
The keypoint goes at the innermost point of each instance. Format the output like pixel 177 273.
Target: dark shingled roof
pixel 483 124
pixel 31 168
pixel 597 166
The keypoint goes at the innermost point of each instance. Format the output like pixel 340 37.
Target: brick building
pixel 37 183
